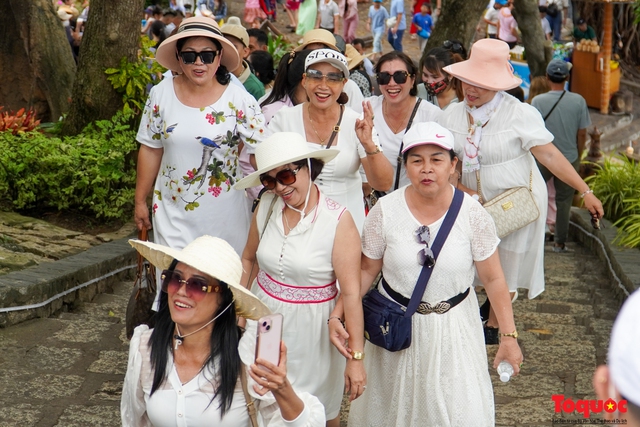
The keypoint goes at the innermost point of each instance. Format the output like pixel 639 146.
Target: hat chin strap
pixel 306 200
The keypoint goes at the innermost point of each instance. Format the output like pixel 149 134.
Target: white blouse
pixel 180 405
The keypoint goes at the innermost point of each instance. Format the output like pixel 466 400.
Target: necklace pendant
pixel 179 340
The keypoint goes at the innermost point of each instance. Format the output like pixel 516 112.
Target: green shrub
pixel 93 171
pixel 277 47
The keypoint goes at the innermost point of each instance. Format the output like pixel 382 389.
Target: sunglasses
pixel 284 177
pixel 331 78
pixel 400 77
pixel 195 287
pixel 453 47
pixel 425 256
pixel 207 56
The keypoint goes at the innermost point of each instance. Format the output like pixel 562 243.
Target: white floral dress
pixel 193 193
pixel 442 379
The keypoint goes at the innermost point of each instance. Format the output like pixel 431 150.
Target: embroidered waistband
pixel 296 294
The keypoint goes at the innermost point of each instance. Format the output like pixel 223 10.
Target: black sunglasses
pixel 195 287
pixel 453 47
pixel 207 56
pixel 400 77
pixel 425 256
pixel 284 177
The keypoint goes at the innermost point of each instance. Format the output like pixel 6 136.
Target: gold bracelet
pixel 513 334
pixel 371 153
pixel 357 355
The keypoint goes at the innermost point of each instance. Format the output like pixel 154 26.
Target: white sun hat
pixel 214 257
pixel 280 149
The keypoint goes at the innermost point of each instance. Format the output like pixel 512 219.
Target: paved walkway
pixel 68 370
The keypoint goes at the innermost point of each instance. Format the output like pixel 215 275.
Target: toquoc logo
pixel 586 407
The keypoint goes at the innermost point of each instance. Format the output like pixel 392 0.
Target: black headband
pixel 200 27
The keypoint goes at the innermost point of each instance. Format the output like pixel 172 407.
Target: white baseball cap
pixel 427 133
pixel 329 56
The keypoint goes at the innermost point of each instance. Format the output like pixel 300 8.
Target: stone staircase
pixel 619 131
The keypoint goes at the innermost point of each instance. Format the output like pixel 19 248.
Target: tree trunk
pixel 458 21
pixel 36 64
pixel 528 18
pixel 112 31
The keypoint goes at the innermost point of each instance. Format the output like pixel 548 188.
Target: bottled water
pixel 505 370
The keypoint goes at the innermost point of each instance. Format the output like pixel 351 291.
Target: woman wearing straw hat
pixel 191 367
pixel 499 139
pixel 324 121
pixel 193 128
pixel 303 242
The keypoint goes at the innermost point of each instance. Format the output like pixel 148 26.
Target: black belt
pixel 424 307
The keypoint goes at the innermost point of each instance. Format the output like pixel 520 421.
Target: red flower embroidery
pixel 215 191
pixel 210 118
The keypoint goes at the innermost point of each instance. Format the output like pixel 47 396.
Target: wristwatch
pixel 357 355
pixel 513 334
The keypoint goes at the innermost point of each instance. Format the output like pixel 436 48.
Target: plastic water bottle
pixel 505 370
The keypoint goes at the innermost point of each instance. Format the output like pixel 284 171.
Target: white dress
pixel 193 193
pixel 340 178
pixel 442 378
pixel 296 278
pixel 506 162
pixel 390 141
pixel 175 404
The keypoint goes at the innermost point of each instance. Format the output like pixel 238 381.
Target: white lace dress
pixel 506 162
pixel 442 378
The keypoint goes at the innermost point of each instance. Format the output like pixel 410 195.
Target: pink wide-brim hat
pixel 488 66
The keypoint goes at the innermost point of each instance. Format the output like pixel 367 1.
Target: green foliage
pixel 617 185
pixel 636 11
pixel 277 47
pixel 93 171
pixel 22 121
pixel 130 79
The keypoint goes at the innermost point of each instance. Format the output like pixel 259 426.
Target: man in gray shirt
pixel 567 118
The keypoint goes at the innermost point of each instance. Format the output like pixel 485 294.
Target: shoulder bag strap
pixel 425 274
pixel 264 228
pixel 336 128
pixel 399 159
pixel 554 106
pixel 251 409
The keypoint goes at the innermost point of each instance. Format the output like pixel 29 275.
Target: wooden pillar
pixel 606 58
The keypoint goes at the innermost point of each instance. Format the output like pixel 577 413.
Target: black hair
pixel 557 79
pixel 169 12
pixel 517 93
pixel 357 41
pixel 455 46
pixel 157 29
pixel 288 77
pixel 405 155
pixel 260 35
pixel 224 340
pixel 222 74
pixel 436 59
pixel 262 63
pixel 411 67
pixel 157 10
pixel 542 9
pixel 316 167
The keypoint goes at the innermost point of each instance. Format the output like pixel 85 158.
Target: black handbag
pixel 387 324
pixel 139 308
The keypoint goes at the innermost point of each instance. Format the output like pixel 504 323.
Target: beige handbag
pixel 512 209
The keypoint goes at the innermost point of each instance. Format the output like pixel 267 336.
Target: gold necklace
pixel 396 130
pixel 313 127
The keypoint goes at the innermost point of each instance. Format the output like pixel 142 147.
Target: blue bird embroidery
pixel 209 146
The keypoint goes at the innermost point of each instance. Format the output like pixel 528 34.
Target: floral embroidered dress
pixel 193 193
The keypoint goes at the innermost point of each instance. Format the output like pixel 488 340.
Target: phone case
pixel 269 337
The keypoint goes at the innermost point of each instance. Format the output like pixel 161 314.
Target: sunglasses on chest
pixel 284 177
pixel 399 77
pixel 207 56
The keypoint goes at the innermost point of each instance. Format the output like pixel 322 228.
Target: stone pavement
pixel 67 370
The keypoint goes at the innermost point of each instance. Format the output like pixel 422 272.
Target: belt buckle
pixel 440 308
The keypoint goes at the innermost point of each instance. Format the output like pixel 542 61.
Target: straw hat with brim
pixel 196 26
pixel 214 257
pixel 353 57
pixel 280 149
pixel 237 31
pixel 318 35
pixel 488 66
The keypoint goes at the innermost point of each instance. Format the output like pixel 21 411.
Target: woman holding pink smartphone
pixel 304 243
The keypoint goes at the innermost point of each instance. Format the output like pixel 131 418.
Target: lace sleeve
pixel 132 405
pixel 373 241
pixel 484 239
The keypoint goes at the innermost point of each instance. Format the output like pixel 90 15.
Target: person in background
pixel 507 26
pixel 349 15
pixel 158 33
pixel 153 13
pixel 258 40
pixel 239 37
pixel 328 16
pixel 292 6
pixel 582 31
pixel 539 85
pixel 378 16
pixel 557 13
pixel 455 47
pixel 619 379
pixel 396 32
pixel 546 28
pixel 188 10
pixel 167 19
pixel 253 12
pixel 438 87
pixel 424 25
pixel 568 122
pixel 491 18
pixel 358 44
pixel 219 10
pixel 262 63
pixel 357 72
pixel 306 16
pixel 177 6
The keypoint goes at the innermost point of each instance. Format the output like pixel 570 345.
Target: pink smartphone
pixel 269 337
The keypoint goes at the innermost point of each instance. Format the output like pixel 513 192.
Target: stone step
pixel 621 137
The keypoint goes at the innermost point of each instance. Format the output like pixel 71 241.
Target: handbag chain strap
pixel 336 128
pixel 425 274
pixel 251 408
